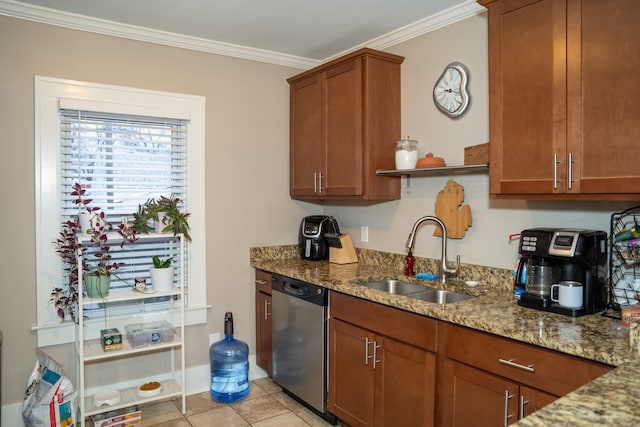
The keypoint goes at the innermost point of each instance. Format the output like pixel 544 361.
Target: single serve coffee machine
pixel 563 270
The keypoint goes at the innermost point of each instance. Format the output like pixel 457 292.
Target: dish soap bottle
pixel 409 265
pixel 229 366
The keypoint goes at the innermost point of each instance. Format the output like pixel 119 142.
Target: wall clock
pixel 450 92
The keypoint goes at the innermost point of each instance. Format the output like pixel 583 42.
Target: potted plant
pixel 97 278
pixel 87 214
pixel 165 213
pixel 161 274
pixel 97 271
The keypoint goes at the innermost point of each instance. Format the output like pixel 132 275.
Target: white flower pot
pixel 161 279
pixel 87 220
pixel 162 222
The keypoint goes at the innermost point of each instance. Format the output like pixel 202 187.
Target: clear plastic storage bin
pixel 136 335
pixel 140 334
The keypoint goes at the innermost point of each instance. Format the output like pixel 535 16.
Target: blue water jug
pixel 229 366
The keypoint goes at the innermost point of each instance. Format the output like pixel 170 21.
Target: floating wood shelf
pixel 446 170
pixel 443 171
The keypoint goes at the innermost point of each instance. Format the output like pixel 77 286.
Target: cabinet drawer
pixel 547 370
pixel 263 281
pixel 399 324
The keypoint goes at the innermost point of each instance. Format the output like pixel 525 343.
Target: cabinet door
pixel 263 320
pixel 263 331
pixel 404 384
pixel 531 400
pixel 343 111
pixel 307 136
pixel 604 111
pixel 527 93
pixel 476 398
pixel 351 382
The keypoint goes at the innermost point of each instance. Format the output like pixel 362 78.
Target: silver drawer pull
pixel 555 171
pixel 513 364
pixel 523 402
pixel 366 350
pixel 266 310
pixel 261 282
pixel 507 415
pixel 375 354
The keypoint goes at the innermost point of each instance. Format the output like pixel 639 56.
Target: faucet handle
pixel 455 270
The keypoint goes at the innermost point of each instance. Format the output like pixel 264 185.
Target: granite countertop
pixel 612 399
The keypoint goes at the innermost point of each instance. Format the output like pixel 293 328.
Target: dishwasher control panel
pixel 299 289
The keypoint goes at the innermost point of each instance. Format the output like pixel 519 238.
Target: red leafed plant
pixel 65 298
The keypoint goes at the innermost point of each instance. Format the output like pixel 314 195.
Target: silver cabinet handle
pixel 266 310
pixel 315 182
pixel 507 396
pixel 375 354
pixel 521 409
pixel 570 175
pixel 320 182
pixel 555 171
pixel 261 282
pixel 510 362
pixel 366 351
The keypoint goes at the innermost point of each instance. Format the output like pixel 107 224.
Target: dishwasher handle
pixel 298 289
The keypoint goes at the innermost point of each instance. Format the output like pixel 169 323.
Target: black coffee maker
pixel 554 255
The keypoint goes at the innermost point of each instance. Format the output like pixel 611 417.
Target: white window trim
pixel 49 92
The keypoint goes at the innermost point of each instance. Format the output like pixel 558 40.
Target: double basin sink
pixel 415 291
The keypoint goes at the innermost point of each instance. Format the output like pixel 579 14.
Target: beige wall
pixel 247 166
pixel 247 140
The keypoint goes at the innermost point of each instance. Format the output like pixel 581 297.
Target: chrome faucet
pixel 443 268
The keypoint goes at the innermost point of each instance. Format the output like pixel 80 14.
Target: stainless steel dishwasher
pixel 300 322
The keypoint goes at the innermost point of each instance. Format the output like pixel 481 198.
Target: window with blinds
pixel 124 145
pixel 122 161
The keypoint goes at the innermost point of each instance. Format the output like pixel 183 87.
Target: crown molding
pixel 442 19
pixel 100 26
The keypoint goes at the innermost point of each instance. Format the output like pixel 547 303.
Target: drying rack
pixel 624 261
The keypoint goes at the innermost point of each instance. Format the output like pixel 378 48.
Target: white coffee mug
pixel 569 294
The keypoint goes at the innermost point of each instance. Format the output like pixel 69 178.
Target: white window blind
pixel 124 145
pixel 121 161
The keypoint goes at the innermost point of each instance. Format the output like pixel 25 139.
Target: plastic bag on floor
pixel 50 399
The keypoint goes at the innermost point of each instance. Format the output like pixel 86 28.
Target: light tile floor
pixel 266 406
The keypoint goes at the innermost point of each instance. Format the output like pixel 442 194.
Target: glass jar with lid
pixel 406 153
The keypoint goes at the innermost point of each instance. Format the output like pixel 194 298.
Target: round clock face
pixel 450 92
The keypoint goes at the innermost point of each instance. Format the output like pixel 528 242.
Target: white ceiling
pixel 292 32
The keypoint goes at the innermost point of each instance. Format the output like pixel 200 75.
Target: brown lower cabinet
pixel 381 364
pixel 390 367
pixel 481 399
pixel 263 320
pixel 486 380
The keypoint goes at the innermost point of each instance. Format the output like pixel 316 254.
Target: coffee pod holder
pixel 624 261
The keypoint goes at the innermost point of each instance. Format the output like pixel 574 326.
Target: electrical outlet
pixel 364 233
pixel 213 338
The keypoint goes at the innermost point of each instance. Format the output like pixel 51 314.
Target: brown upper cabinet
pixel 345 118
pixel 564 110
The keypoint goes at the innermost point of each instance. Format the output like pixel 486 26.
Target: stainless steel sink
pixel 395 286
pixel 441 296
pixel 413 290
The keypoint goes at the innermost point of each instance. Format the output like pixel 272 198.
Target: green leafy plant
pixel 165 211
pixel 65 297
pixel 158 263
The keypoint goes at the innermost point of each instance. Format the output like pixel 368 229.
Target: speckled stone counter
pixel 613 399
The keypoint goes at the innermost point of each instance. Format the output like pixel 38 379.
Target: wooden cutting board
pixel 450 209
